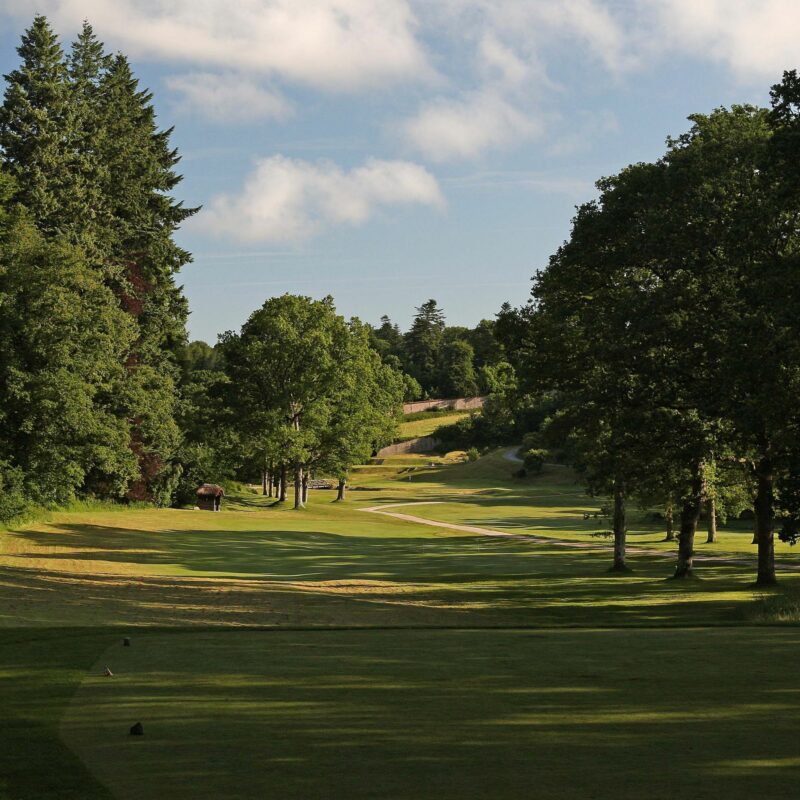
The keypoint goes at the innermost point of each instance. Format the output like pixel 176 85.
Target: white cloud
pixel 531 28
pixel 546 183
pixel 227 98
pixel 756 39
pixel 327 44
pixel 501 63
pixel 510 40
pixel 491 86
pixel 447 129
pixel 287 199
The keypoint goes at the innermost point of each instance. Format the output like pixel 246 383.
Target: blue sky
pixel 388 151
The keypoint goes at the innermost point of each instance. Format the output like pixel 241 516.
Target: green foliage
pixel 94 318
pixel 14 502
pixel 438 360
pixel 534 460
pixel 422 344
pixel 307 389
pixel 62 370
pixel 198 356
pixel 473 454
pixel 456 370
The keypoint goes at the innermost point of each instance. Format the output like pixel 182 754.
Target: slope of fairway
pixel 333 565
pixel 426 427
pixel 336 653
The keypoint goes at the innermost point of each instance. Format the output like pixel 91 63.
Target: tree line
pixel 659 353
pixel 100 395
pixel 666 330
pixel 91 318
pixel 439 360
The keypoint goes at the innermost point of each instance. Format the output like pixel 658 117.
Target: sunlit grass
pixel 427 427
pixel 476 668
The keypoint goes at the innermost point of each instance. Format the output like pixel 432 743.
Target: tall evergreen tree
pixel 143 258
pixel 92 165
pixel 422 344
pixel 86 205
pixel 62 371
pixel 37 128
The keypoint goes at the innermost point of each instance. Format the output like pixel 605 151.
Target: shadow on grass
pixel 166 575
pixel 448 714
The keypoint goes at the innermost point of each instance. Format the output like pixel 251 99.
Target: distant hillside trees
pixel 439 361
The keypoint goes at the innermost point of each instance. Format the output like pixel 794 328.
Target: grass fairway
pixel 334 653
pixel 426 427
pixel 444 714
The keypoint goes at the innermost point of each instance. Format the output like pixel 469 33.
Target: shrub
pixel 13 502
pixel 473 454
pixel 534 460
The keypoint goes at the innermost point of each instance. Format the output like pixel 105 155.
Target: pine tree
pixel 36 125
pixel 86 203
pixel 93 168
pixel 136 180
pixel 422 344
pixel 61 366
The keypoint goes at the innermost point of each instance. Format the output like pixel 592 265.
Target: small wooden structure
pixel 209 497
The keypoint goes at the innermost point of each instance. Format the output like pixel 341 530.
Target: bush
pixel 473 454
pixel 13 502
pixel 534 460
pixel 531 441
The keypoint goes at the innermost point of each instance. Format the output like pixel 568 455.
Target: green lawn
pixel 334 653
pixel 426 427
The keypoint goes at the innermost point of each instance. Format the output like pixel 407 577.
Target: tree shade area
pixel 530 606
pixel 326 650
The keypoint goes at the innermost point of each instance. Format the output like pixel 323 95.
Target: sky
pixel 390 151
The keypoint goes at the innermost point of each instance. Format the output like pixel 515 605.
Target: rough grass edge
pixel 781 606
pixel 34 513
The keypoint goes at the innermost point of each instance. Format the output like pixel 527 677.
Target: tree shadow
pixel 448 714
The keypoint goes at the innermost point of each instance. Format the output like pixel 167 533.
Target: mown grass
pixel 444 714
pixel 428 425
pixel 336 653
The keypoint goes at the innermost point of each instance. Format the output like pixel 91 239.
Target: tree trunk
pixel 755 528
pixel 298 488
pixel 668 516
pixel 690 516
pixel 340 495
pixel 283 484
pixel 620 530
pixel 270 477
pixel 264 482
pixel 764 524
pixel 711 509
pixel 305 487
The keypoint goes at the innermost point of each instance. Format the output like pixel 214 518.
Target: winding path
pixel 528 537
